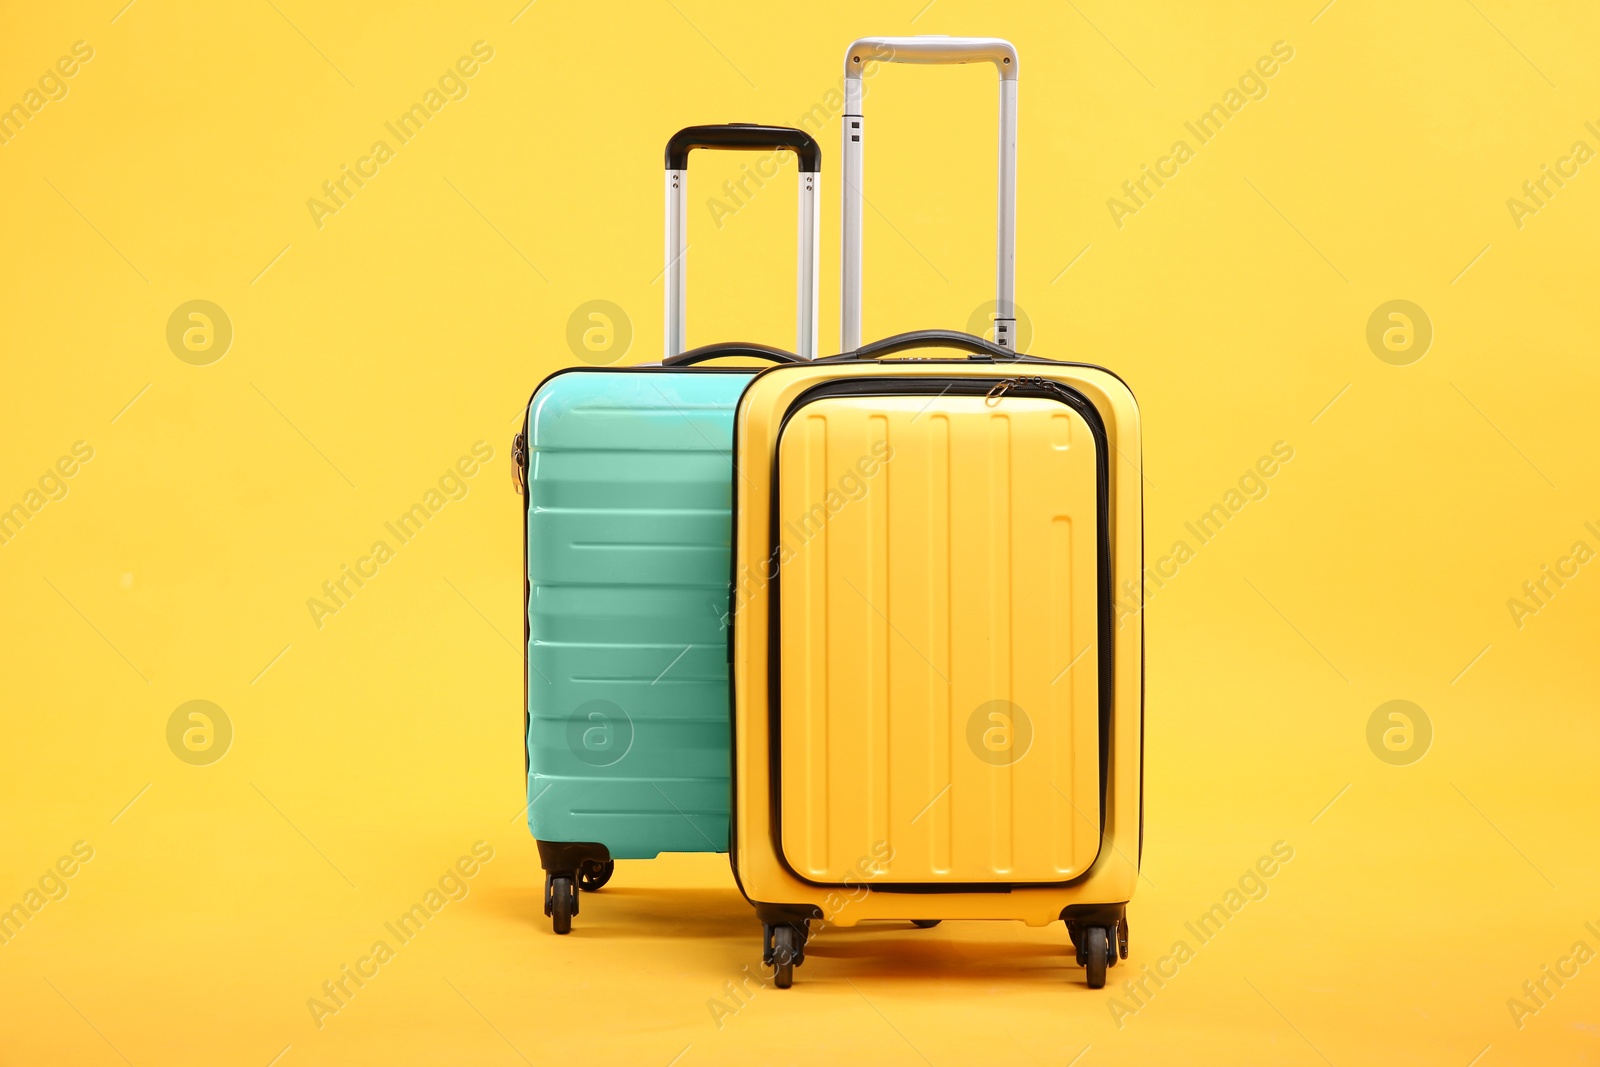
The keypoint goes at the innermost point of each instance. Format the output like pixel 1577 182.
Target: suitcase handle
pixel 741 136
pixel 933 48
pixel 926 50
pixel 979 347
pixel 725 349
pixel 747 136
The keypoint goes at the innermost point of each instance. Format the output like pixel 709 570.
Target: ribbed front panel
pixel 629 534
pixel 939 688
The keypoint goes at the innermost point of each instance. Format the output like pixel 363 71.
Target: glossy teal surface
pixel 629 531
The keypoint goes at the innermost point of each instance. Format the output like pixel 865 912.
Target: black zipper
pixel 1013 385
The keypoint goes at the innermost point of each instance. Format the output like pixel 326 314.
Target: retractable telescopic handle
pixel 742 136
pixel 929 50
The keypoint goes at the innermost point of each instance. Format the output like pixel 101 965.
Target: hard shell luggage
pixel 625 475
pixel 936 715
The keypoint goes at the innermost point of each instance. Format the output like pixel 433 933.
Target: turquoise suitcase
pixel 626 475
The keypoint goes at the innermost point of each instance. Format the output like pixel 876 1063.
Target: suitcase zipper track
pixel 993 390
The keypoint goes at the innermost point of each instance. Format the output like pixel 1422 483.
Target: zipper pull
pixel 519 462
pixel 992 398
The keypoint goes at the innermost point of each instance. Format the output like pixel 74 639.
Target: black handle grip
pixel 725 349
pixel 745 136
pixel 900 342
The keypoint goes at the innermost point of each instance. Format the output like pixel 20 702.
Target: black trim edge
pixel 965 385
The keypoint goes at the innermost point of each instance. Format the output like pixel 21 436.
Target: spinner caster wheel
pixel 592 876
pixel 1095 953
pixel 785 954
pixel 925 924
pixel 560 903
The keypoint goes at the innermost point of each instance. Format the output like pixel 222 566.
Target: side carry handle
pixel 726 349
pixel 976 347
pixel 746 137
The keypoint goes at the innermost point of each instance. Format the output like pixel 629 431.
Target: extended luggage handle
pixel 979 347
pixel 726 349
pixel 929 50
pixel 742 136
pixel 748 136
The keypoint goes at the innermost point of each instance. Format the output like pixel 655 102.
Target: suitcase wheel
pixel 785 954
pixel 560 902
pixel 925 924
pixel 1095 952
pixel 783 949
pixel 592 875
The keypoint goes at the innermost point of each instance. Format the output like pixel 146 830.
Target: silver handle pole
pixel 927 50
pixel 810 237
pixel 1005 312
pixel 676 272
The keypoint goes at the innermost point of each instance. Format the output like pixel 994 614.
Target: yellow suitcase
pixel 937 711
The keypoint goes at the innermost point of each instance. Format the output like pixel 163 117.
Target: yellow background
pixel 369 354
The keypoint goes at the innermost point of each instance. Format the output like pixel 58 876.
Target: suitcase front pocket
pixel 940 620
